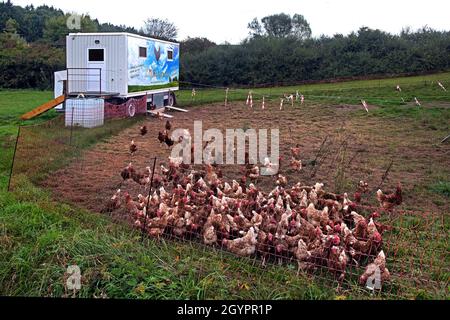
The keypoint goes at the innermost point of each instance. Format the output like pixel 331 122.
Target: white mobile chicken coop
pixel 130 73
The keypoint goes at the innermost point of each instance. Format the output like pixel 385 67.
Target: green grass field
pixel 40 237
pixel 14 103
pixel 378 92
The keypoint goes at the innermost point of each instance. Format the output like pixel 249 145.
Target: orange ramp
pixel 43 108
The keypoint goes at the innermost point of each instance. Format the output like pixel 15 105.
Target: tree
pixel 56 30
pixel 9 37
pixel 11 26
pixel 255 28
pixel 280 26
pixel 160 28
pixel 31 21
pixel 300 27
pixel 195 45
pixel 108 27
pixel 277 25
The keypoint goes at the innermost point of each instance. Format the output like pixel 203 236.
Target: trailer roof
pixel 118 34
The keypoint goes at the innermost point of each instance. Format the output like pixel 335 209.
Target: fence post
pixel 226 96
pixel 13 159
pixel 385 174
pixel 144 225
pixel 71 127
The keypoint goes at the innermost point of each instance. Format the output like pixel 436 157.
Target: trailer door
pixel 96 70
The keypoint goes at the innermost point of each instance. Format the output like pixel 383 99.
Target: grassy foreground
pixel 40 238
pixel 14 103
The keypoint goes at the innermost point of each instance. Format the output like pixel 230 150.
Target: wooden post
pixel 226 96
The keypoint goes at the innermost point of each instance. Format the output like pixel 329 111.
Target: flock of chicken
pixel 306 223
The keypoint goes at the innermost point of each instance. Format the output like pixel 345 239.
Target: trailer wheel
pixel 131 110
pixel 171 101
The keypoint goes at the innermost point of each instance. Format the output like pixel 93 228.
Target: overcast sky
pixel 227 20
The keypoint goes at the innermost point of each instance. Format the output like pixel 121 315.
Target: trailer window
pixel 170 55
pixel 96 55
pixel 142 52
